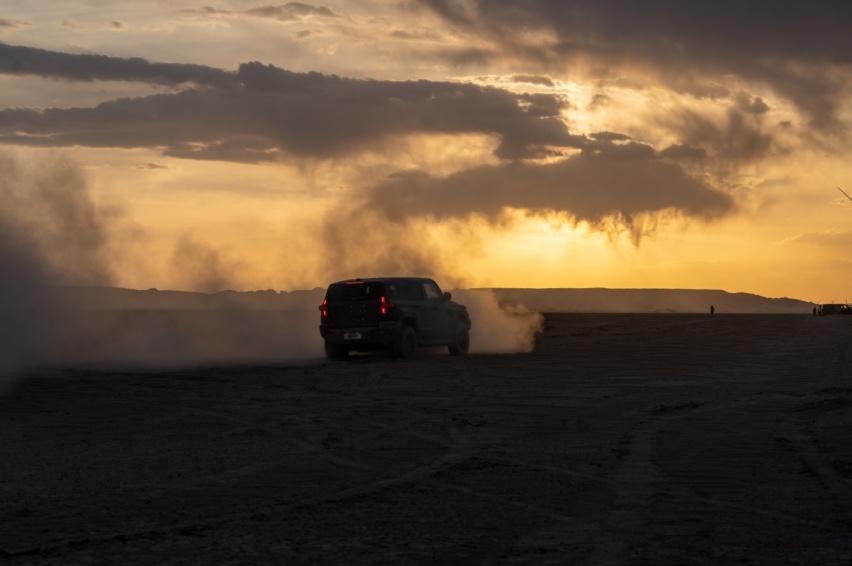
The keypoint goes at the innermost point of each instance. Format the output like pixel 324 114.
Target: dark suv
pixel 397 314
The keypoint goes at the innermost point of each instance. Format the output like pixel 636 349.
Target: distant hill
pixel 154 299
pixel 648 301
pixel 542 300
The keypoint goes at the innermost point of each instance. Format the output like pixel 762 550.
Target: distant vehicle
pixel 396 314
pixel 836 308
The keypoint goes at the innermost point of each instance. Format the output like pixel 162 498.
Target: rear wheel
pixel 460 343
pixel 405 346
pixel 336 351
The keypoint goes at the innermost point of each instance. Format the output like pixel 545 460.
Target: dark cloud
pixel 738 137
pixel 534 79
pixel 265 109
pixel 289 12
pixel 702 89
pixel 265 113
pixel 238 148
pixel 630 150
pixel 728 33
pixel 610 187
pixel 543 105
pixel 750 105
pixel 83 67
pixel 618 185
pixel 292 11
pixel 390 228
pixel 793 46
pixel 679 152
pixel 609 136
pixel 319 114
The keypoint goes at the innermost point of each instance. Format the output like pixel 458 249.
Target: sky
pixel 241 145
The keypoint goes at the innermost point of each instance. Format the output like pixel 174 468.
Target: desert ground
pixel 619 439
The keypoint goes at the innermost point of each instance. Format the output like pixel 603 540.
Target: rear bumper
pixel 383 335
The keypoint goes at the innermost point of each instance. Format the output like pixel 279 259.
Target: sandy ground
pixel 621 439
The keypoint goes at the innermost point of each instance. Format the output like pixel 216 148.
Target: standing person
pixel 712 309
pixel 814 311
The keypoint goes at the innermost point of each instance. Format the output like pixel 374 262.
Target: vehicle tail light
pixel 324 307
pixel 385 304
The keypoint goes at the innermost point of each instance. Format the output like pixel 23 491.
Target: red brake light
pixel 385 304
pixel 324 307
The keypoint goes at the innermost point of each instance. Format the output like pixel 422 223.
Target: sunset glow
pixel 246 146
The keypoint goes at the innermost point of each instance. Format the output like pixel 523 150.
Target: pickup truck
pixel 395 314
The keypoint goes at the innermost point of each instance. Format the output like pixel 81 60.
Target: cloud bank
pixel 261 113
pixel 787 45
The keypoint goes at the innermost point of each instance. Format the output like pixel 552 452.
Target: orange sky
pixel 554 143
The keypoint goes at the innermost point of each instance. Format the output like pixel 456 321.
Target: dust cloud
pixel 145 339
pixel 498 329
pixel 51 233
pixel 358 241
pixel 177 329
pixel 364 240
pixel 57 241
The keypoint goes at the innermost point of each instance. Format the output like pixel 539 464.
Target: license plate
pixel 352 336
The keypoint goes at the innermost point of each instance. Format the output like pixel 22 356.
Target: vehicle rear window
pixel 392 290
pixel 366 291
pixel 412 291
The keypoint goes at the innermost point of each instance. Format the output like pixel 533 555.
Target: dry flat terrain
pixel 620 439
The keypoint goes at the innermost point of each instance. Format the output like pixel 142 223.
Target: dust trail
pixel 54 238
pixel 51 232
pixel 144 339
pixel 154 329
pixel 496 329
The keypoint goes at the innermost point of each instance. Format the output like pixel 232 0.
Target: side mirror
pixel 447 295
